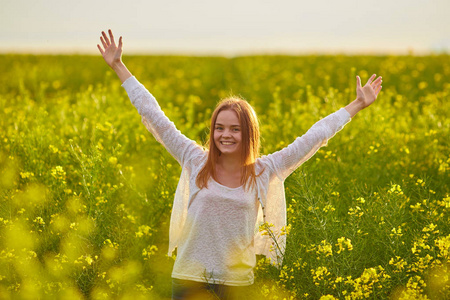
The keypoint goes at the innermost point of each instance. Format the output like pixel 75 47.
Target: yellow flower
pixel 420 182
pixel 396 189
pixel 417 207
pixel 39 221
pixel 325 248
pixel 343 243
pixel 112 160
pixel 59 174
pixel 396 232
pixel 430 227
pixel 443 243
pixel 445 202
pixel 150 250
pixel 320 274
pixel 398 263
pixel 285 229
pixel 111 244
pixel 328 208
pixel 26 174
pixel 361 200
pixel 328 297
pixel 423 85
pixel 53 149
pixel 357 211
pixel 143 230
pixel 89 259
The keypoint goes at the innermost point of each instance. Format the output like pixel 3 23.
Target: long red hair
pixel 250 142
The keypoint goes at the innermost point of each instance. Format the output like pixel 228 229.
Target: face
pixel 227 133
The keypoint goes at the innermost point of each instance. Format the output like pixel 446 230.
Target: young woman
pixel 227 192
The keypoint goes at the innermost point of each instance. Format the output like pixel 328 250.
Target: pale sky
pixel 227 27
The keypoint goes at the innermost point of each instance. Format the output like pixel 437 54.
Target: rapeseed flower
pixel 344 243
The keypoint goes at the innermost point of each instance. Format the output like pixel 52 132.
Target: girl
pixel 226 193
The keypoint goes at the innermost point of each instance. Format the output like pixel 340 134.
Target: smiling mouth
pixel 227 143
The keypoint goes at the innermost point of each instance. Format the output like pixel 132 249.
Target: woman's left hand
pixel 368 93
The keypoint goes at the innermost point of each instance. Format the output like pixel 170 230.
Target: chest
pixel 228 179
pixel 218 201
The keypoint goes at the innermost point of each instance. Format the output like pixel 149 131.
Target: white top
pixel 216 243
pixel 275 169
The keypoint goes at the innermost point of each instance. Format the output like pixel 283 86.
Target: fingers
pixel 371 79
pixel 106 42
pixel 376 85
pixel 377 81
pixel 103 42
pixel 120 43
pixel 100 48
pixel 378 90
pixel 106 39
pixel 111 36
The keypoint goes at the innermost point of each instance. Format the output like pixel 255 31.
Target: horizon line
pixel 236 53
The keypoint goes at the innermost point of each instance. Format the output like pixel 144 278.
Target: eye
pixel 218 127
pixel 236 129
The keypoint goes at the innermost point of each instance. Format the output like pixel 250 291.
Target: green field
pixel 86 191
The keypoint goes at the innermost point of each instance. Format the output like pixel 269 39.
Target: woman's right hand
pixel 111 53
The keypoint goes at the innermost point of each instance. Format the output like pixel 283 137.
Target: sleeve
pixel 282 163
pixel 154 119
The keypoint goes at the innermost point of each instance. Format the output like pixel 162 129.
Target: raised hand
pixel 368 93
pixel 111 52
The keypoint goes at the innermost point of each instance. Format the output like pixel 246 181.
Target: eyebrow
pixel 230 126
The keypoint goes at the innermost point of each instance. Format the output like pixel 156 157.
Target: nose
pixel 226 133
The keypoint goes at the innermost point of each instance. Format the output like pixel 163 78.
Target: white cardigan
pixel 270 185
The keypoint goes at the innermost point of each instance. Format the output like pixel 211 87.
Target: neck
pixel 229 163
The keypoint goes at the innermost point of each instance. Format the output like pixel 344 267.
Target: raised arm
pixel 112 54
pixel 284 162
pixel 154 119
